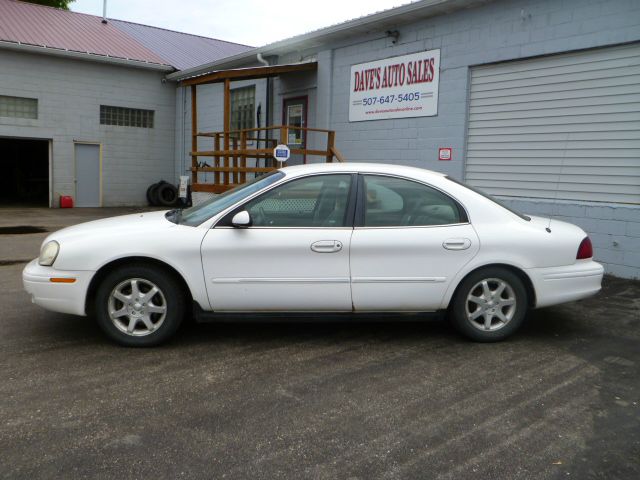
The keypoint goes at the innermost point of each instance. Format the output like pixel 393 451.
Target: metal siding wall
pixel 564 126
pixel 69 94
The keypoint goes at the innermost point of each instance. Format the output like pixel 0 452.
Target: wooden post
pixel 194 134
pixel 284 137
pixel 227 125
pixel 216 159
pixel 243 155
pixel 235 161
pixel 331 139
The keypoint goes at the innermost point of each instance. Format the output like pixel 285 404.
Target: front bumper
pixel 554 285
pixel 57 297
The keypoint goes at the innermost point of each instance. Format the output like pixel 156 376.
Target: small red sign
pixel 444 153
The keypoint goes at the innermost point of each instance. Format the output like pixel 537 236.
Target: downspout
pixel 267 114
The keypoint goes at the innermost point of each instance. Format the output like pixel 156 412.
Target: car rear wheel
pixel 489 305
pixel 139 305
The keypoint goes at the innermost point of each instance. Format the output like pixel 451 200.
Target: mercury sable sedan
pixel 317 240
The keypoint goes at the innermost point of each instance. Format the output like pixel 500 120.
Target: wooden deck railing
pixel 234 152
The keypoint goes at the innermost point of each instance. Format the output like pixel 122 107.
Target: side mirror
pixel 241 220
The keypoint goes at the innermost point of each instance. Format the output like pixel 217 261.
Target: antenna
pixel 555 195
pixel 104 11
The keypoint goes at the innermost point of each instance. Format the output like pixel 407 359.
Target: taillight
pixel 585 250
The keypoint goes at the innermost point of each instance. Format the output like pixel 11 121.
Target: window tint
pixel 319 201
pixel 395 202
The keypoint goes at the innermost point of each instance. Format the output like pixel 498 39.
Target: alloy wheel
pixel 137 307
pixel 490 304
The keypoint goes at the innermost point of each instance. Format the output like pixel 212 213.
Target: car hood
pixel 147 222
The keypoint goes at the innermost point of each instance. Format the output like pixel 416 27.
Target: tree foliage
pixel 64 4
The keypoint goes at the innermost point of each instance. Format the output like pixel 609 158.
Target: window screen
pixel 126 117
pixel 243 102
pixel 18 107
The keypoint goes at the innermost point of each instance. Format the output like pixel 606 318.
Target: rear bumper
pixel 554 285
pixel 57 297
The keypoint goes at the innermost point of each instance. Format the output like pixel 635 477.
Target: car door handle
pixel 457 244
pixel 326 246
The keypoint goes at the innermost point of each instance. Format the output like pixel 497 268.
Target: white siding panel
pixel 587 56
pixel 563 126
pixel 596 84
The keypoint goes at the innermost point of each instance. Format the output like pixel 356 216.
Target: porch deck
pixel 240 152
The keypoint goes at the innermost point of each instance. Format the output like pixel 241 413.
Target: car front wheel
pixel 139 305
pixel 489 305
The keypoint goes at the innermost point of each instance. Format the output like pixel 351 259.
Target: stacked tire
pixel 164 194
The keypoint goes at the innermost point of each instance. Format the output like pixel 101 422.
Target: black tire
pixel 152 193
pixel 151 199
pixel 167 195
pixel 170 297
pixel 471 301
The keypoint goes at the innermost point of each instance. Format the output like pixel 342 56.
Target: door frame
pixel 305 102
pixel 49 141
pixel 50 153
pixel 75 168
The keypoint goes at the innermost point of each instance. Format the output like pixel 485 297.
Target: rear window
pixel 397 202
pixel 489 197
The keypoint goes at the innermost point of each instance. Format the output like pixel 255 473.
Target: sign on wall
pixel 396 87
pixel 444 153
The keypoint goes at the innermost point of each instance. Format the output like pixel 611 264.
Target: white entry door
pixel 294 257
pixel 87 175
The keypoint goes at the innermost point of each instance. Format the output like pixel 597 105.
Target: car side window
pixel 317 201
pixel 396 202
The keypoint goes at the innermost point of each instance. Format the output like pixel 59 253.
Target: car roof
pixel 402 170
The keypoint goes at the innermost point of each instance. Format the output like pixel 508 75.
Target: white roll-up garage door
pixel 564 126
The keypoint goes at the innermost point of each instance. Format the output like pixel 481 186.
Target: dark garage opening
pixel 25 172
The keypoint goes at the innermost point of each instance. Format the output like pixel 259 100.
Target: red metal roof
pixel 49 27
pixel 182 50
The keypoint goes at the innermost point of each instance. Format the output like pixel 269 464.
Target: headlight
pixel 48 253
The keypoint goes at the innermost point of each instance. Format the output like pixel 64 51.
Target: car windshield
pixel 196 215
pixel 489 197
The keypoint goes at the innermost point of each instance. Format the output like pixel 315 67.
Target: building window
pixel 126 117
pixel 18 107
pixel 243 102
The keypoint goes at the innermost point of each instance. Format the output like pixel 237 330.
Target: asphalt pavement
pixel 560 399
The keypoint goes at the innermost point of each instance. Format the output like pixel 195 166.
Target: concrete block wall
pixel 614 229
pixel 497 31
pixel 69 94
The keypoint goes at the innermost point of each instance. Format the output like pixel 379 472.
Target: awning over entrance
pixel 249 73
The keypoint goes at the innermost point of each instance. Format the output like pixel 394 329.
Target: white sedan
pixel 317 240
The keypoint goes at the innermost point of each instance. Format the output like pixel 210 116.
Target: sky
pixel 250 22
